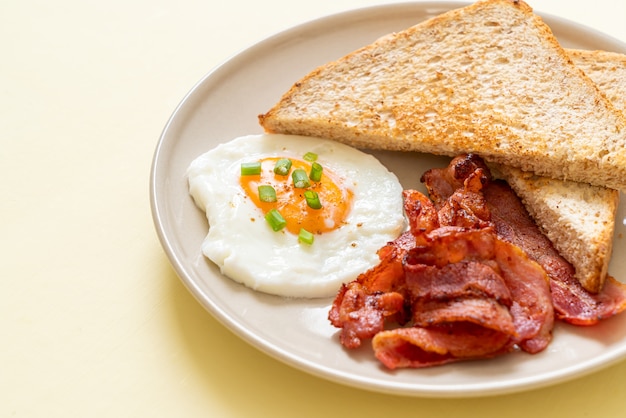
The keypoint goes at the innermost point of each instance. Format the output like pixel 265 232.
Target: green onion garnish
pixel 300 179
pixel 267 193
pixel 282 166
pixel 251 169
pixel 305 236
pixel 275 219
pixel 312 199
pixel 316 172
pixel 310 157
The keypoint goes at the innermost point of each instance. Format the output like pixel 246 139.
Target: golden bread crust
pixel 489 78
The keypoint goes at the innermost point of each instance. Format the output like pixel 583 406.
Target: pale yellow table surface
pixel 93 320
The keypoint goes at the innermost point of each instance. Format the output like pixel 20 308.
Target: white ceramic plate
pixel 224 105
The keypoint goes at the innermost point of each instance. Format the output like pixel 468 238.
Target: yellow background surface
pixel 93 320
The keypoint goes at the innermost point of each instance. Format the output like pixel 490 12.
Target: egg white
pixel 248 251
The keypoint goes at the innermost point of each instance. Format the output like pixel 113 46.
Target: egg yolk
pixel 292 204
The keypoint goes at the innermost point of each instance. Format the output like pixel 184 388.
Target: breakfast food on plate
pixel 475 276
pixel 294 216
pixel 577 217
pixel 460 288
pixel 402 101
pixel 489 78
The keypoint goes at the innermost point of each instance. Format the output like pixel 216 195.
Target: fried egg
pixel 358 209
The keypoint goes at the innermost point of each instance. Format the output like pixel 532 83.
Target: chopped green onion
pixel 312 199
pixel 282 166
pixel 275 219
pixel 316 172
pixel 310 157
pixel 305 236
pixel 267 193
pixel 300 179
pixel 251 169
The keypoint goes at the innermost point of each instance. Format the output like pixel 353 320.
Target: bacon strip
pixel 467 291
pixel 577 306
pixel 530 299
pixel 425 347
pixel 473 278
pixel 361 307
pixel 450 281
pixel 361 314
pixel 572 303
pixel 453 285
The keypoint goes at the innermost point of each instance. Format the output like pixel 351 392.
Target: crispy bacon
pixel 361 307
pixel 527 283
pixel 572 303
pixel 474 277
pixel 423 347
pixel 455 290
pixel 577 306
pixel 361 314
pixel 429 282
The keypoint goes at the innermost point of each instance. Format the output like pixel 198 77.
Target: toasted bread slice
pixel 578 218
pixel 607 70
pixel 488 78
